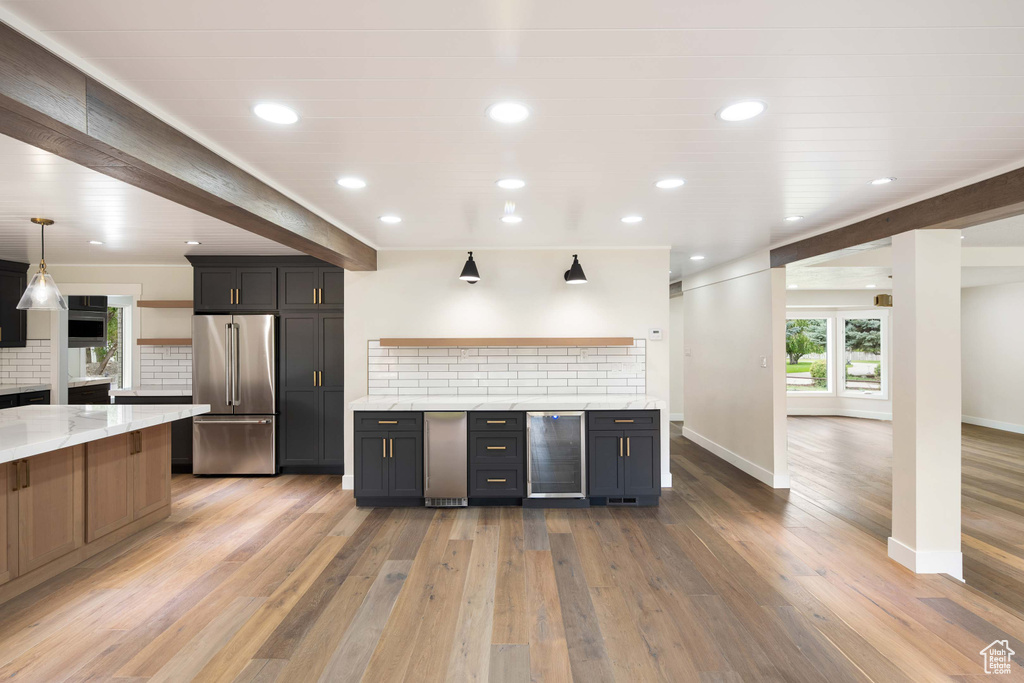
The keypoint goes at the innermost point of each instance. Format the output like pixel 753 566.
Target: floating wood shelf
pixel 166 341
pixel 509 341
pixel 181 303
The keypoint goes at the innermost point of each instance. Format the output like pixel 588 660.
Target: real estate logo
pixel 997 657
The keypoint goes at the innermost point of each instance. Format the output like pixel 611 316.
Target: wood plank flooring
pixel 845 466
pixel 285 579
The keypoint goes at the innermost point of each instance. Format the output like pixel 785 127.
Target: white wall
pixel 734 407
pixel 676 347
pixel 522 293
pixel 992 327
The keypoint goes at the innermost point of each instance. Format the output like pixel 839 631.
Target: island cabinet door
pixel 642 463
pixel 8 560
pixel 51 507
pixel 405 462
pixel 371 464
pixel 109 485
pixel 152 468
pixel 605 453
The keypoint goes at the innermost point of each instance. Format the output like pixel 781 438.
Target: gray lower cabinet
pixel 497 454
pixel 312 391
pixel 92 394
pixel 624 462
pixel 28 398
pixel 388 458
pixel 181 430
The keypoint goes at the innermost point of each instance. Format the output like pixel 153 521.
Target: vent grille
pixel 622 501
pixel 446 502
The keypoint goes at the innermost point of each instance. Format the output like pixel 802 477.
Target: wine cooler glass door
pixel 555 456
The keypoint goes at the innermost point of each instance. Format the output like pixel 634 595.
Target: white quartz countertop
pixel 87 381
pixel 153 390
pixel 531 402
pixel 32 430
pixel 6 389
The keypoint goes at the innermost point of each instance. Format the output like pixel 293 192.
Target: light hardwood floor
pixel 845 465
pixel 284 579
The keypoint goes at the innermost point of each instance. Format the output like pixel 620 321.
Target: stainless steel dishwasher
pixel 445 457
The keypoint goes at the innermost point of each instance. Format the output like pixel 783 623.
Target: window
pixel 863 353
pixel 808 341
pixel 111 360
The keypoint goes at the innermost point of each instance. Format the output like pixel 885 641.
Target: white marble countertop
pixel 88 381
pixel 31 430
pixel 6 389
pixel 153 390
pixel 526 402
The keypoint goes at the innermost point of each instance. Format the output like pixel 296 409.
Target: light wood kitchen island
pixel 75 480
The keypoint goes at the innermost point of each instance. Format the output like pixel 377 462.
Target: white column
pixel 926 402
pixel 780 431
pixel 59 357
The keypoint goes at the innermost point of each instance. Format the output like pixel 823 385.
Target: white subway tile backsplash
pixel 166 366
pixel 27 365
pixel 499 370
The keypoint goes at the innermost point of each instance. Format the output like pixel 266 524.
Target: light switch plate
pixel 654 334
pixel 764 361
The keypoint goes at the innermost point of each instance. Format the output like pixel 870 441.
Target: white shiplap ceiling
pixel 622 93
pixel 136 227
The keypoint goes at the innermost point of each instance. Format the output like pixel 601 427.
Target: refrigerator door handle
pixel 236 370
pixel 246 421
pixel 228 364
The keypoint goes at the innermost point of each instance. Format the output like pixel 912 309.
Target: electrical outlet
pixel 463 353
pixel 764 361
pixel 584 354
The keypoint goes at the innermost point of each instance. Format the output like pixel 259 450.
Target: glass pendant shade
pixel 469 272
pixel 575 275
pixel 42 295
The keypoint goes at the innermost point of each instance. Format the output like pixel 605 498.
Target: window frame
pixel 883 316
pixel 830 329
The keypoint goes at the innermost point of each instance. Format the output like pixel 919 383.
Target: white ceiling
pixel 622 93
pixel 137 227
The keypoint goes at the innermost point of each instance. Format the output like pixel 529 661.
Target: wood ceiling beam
pixel 981 202
pixel 50 104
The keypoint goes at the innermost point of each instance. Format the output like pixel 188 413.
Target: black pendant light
pixel 575 276
pixel 469 272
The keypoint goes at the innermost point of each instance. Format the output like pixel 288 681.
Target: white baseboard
pixel 347 482
pixel 994 424
pixel 666 480
pixel 842 412
pixel 675 417
pixel 927 562
pixel 777 481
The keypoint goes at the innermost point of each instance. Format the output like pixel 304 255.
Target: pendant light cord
pixel 42 245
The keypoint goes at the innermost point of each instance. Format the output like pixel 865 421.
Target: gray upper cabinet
pixel 13 323
pixel 311 288
pixel 222 289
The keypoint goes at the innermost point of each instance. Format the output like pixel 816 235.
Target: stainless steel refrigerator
pixel 233 370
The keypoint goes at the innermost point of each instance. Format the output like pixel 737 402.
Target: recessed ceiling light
pixel 352 183
pixel 670 183
pixel 390 219
pixel 697 257
pixel 882 181
pixel 192 242
pixel 511 184
pixel 869 286
pixel 741 111
pixel 275 113
pixel 511 218
pixel 95 242
pixel 793 219
pixel 508 112
pixel 632 219
pixel 791 286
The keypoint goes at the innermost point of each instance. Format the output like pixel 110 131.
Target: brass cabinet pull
pixel 617 421
pixel 495 448
pixel 496 481
pixel 627 446
pixel 138 442
pixel 620 446
pixel 320 295
pixel 387 422
pixel 238 296
pixel 28 474
pixel 131 443
pixel 496 422
pixel 384 447
pixel 231 292
pixel 392 443
pixel 314 295
pixel 314 378
pixel 14 476
pixel 319 378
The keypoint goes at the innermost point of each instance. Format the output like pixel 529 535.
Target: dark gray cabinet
pixel 624 461
pixel 388 458
pixel 13 323
pixel 97 304
pixel 312 384
pixel 94 394
pixel 310 289
pixel 497 455
pixel 29 398
pixel 241 288
pixel 181 430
